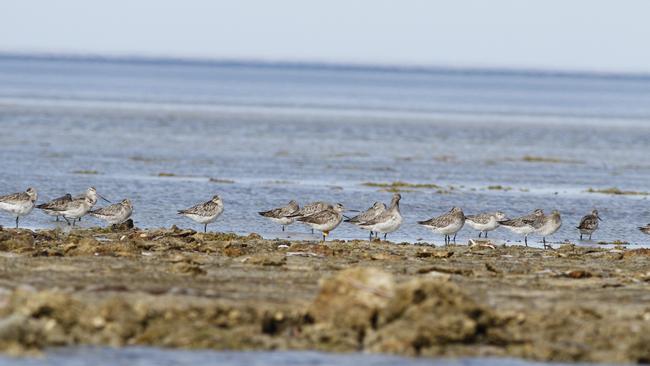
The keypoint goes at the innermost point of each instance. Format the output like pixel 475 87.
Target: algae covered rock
pixel 18 241
pixel 353 297
pixel 428 313
pixel 126 225
pixel 418 316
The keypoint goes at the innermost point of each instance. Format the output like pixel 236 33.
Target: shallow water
pixel 282 132
pixel 139 356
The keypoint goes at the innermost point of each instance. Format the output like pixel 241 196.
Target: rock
pixel 176 231
pixel 126 225
pixel 639 351
pixel 188 268
pixel 442 253
pixel 178 258
pixel 34 319
pixel 85 246
pixel 19 241
pixel 428 313
pixel 268 259
pixel 254 236
pixel 450 270
pixel 642 252
pixel 411 318
pixel 423 254
pixel 319 249
pixel 11 328
pixel 68 247
pixel 353 297
pixel 577 273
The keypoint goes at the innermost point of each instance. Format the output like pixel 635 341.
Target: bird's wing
pixel 440 221
pixel 197 209
pixel 587 222
pixel 483 218
pixel 287 211
pixel 108 210
pixel 318 218
pixel 276 212
pixel 14 198
pixel 57 202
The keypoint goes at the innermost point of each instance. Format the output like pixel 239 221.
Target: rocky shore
pixel 183 289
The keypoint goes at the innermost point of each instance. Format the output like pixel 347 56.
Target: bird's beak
pixel 353 211
pixel 102 197
pixel 599 218
pixel 345 217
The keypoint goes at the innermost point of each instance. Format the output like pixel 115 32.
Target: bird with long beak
pixel 447 224
pixel 388 221
pixel 325 220
pixel 19 204
pixel 204 213
pixel 370 214
pixel 548 225
pixel 79 206
pixel 589 224
pixel 281 215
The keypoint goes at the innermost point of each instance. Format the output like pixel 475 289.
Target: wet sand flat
pixel 182 289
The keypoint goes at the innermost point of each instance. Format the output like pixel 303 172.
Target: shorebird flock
pixel 321 216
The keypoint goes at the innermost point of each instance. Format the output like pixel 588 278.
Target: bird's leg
pixel 205 228
pixel 526 239
pixel 17 221
pixel 312 231
pixel 479 233
pixel 57 219
pixel 581 236
pixel 282 228
pixel 73 222
pixel 454 238
pixel 589 237
pixel 486 234
pixel 385 234
pixel 66 220
pixel 370 239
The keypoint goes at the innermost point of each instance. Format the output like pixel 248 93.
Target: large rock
pixel 428 313
pixel 126 225
pixel 421 316
pixel 16 240
pixel 353 297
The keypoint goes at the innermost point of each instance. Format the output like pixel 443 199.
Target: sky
pixel 575 35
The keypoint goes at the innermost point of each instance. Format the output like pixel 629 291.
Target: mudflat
pixel 183 289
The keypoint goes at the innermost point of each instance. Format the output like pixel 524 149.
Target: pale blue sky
pixel 550 34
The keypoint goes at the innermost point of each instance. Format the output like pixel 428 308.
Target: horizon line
pixel 315 64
